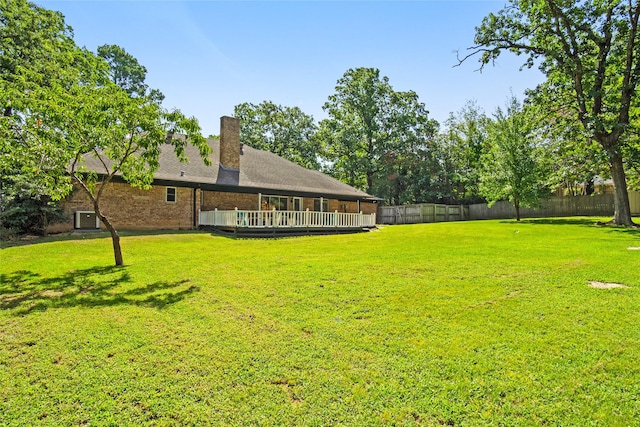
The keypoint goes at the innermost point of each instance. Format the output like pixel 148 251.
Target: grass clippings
pixel 602 285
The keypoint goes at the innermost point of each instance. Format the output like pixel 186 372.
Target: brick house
pixel 240 177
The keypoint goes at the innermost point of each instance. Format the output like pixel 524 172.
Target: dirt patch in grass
pixel 602 285
pixel 634 248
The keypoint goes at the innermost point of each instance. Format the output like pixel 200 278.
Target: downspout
pixel 195 208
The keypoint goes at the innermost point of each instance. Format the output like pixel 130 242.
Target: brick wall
pixel 228 201
pixel 135 209
pixel 368 208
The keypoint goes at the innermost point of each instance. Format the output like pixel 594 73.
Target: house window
pixel 278 203
pixel 171 195
pixel 321 205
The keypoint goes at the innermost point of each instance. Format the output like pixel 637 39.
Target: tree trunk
pixel 45 224
pixel 516 204
pixel 117 252
pixel 622 214
pixel 115 237
pixel 589 187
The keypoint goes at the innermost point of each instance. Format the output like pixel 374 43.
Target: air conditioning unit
pixel 86 220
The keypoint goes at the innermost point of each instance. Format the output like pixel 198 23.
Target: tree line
pixel 582 122
pixel 383 142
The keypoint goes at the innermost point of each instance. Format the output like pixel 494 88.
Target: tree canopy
pixel 126 72
pixel 285 131
pixel 370 125
pixel 462 144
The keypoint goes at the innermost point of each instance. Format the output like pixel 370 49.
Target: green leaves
pixel 369 124
pixel 461 146
pixel 285 131
pixel 125 71
pixel 511 169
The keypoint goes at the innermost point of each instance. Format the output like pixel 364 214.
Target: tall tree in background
pixel 285 131
pixel 511 167
pixel 368 124
pixel 61 107
pixel 409 176
pixel 126 72
pixel 462 145
pixel 590 52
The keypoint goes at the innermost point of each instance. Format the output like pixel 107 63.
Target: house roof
pixel 260 171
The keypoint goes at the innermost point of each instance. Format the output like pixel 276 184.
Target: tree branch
pixel 603 54
pixel 629 81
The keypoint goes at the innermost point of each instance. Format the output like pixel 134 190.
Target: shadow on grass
pixel 87 235
pixel 27 292
pixel 591 222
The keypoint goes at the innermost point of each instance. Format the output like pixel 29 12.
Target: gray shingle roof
pixel 260 171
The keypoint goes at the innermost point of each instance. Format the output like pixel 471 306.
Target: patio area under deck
pixel 273 222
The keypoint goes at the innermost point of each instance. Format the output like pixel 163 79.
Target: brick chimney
pixel 229 142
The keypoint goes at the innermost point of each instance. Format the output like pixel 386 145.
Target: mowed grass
pixel 455 324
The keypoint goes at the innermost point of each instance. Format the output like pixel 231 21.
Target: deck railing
pixel 286 219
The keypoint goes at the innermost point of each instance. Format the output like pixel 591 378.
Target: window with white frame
pixel 321 205
pixel 279 203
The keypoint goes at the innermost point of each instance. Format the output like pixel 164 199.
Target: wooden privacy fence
pixel 424 212
pixel 594 205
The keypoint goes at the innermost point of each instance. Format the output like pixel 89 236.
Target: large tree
pixel 285 131
pixel 61 106
pixel 575 160
pixel 511 167
pixel 590 52
pixel 461 146
pixel 368 124
pixel 126 72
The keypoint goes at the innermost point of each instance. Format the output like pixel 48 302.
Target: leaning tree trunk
pixel 622 213
pixel 115 237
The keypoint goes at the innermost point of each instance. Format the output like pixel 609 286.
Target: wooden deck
pixel 286 222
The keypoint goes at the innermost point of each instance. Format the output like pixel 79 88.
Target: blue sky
pixel 208 56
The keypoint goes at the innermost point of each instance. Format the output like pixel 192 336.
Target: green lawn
pixel 455 324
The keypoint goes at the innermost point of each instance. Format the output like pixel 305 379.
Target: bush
pixel 28 214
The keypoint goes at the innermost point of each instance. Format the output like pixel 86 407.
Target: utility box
pixel 86 220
